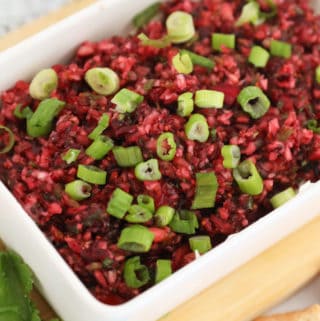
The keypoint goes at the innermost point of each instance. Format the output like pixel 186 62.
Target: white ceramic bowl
pixel 57 282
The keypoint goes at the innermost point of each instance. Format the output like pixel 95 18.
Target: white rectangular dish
pixel 57 282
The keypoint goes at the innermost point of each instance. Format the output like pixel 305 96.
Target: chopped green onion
pixel 164 215
pixel 78 190
pixel 102 125
pixel 201 243
pixel 138 214
pixel 250 13
pixel 213 134
pixel 100 147
pixel 127 101
pixel 163 270
pixel 197 128
pixel 180 27
pixel 185 104
pixel 136 238
pixel 220 40
pixel 198 59
pixel 71 155
pixel 254 101
pixel 135 274
pixel 146 201
pixel 92 174
pixel 148 171
pixel 182 63
pixel 43 84
pixel 23 114
pixel 107 262
pixel 231 156
pixel 163 42
pixel 119 203
pixel 206 190
pixel 103 81
pixel 248 178
pixel 127 156
pixel 40 124
pixel 280 49
pixel 273 10
pixel 185 222
pixel 10 141
pixel 143 17
pixel 318 75
pixel 282 197
pixel 312 124
pixel 166 146
pixel 209 99
pixel 259 56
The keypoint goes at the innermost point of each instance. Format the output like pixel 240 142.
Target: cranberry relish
pixel 284 150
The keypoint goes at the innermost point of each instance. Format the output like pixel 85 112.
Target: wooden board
pixel 250 290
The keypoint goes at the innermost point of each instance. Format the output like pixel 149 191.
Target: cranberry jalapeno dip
pixel 148 150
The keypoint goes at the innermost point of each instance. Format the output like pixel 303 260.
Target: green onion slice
pixel 185 104
pixel 312 124
pixel 143 17
pixel 119 203
pixel 197 128
pixel 282 197
pixel 7 142
pixel 254 101
pixel 248 178
pixel 220 40
pixel 24 113
pixel 231 156
pixel 209 99
pixel 201 243
pixel 206 190
pixel 317 75
pixel 213 134
pixel 164 215
pixel 280 49
pixel 135 274
pixel 166 146
pixel 259 56
pixel 163 42
pixel 41 121
pixel 273 10
pixel 100 147
pixel 250 14
pixel 180 27
pixel 136 238
pixel 71 155
pixel 127 101
pixel 148 171
pixel 163 270
pixel 78 190
pixel 92 174
pixel 138 214
pixel 43 84
pixel 198 59
pixel 103 81
pixel 182 63
pixel 107 263
pixel 146 201
pixel 127 156
pixel 102 125
pixel 185 222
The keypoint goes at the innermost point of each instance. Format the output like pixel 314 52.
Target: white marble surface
pixel 14 13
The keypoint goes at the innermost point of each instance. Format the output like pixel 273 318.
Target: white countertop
pixel 14 13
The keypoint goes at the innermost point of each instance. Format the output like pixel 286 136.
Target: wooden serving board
pixel 250 290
